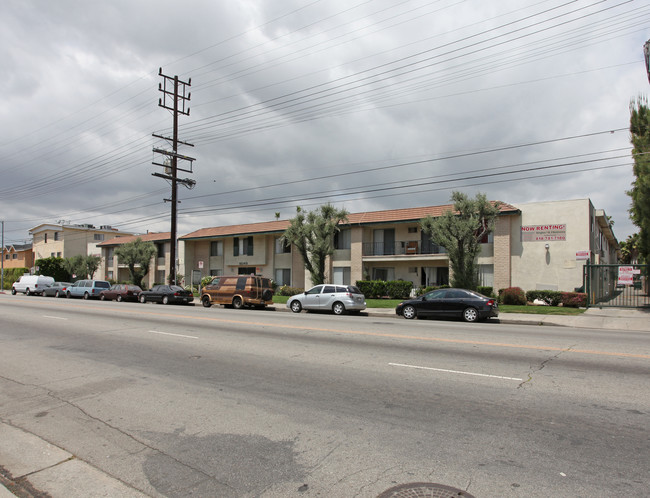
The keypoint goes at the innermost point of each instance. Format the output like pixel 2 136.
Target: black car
pixel 460 303
pixel 167 294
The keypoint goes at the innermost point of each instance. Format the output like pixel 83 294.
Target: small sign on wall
pixel 582 255
pixel 543 233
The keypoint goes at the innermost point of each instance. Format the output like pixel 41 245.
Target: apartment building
pixel 540 245
pixel 17 256
pixel 113 269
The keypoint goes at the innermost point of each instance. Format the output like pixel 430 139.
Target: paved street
pixel 151 400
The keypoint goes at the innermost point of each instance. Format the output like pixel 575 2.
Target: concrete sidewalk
pixel 34 468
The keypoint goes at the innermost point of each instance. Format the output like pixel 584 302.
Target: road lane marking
pixel 175 335
pixel 455 371
pixel 54 317
pixel 373 334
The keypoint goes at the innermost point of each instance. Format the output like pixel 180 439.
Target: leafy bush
pixel 372 289
pixel 574 299
pixel 206 280
pixel 285 290
pixel 485 290
pixel 398 289
pixel 13 274
pixel 512 295
pixel 550 297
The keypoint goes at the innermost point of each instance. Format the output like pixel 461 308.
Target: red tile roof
pixel 369 217
pixel 147 237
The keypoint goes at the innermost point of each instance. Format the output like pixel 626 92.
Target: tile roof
pixel 152 237
pixel 369 217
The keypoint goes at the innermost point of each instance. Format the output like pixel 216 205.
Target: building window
pixel 14 256
pixel 282 246
pixel 283 276
pixel 45 237
pixel 109 274
pixel 161 250
pixel 160 276
pixel 7 256
pixel 216 248
pixel 342 239
pixel 385 274
pixel 56 236
pixel 58 254
pixel 98 236
pixel 342 275
pixel 216 273
pixel 384 241
pixel 486 275
pixel 413 229
pixel 242 246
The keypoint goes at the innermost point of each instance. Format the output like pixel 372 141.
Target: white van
pixel 31 284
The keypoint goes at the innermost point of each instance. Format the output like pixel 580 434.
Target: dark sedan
pixel 121 292
pixel 456 303
pixel 167 294
pixel 57 289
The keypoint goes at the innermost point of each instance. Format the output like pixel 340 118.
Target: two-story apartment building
pixel 113 269
pixel 64 241
pixel 534 246
pixel 17 256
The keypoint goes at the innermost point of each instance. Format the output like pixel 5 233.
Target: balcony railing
pixel 401 247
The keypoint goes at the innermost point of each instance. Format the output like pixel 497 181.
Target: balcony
pixel 401 248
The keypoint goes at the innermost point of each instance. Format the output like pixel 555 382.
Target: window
pixel 342 239
pixel 241 283
pixel 242 246
pixel 486 275
pixel 7 256
pixel 57 236
pixel 384 241
pixel 216 273
pixel 342 275
pixel 161 250
pixel 14 256
pixel 97 236
pixel 385 274
pixel 413 229
pixel 282 246
pixel 216 248
pixel 283 276
pixel 58 254
pixel 45 238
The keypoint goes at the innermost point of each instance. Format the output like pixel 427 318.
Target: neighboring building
pixel 18 256
pixel 64 241
pixel 534 246
pixel 112 269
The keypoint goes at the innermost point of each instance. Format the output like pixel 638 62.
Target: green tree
pixel 136 256
pixel 640 192
pixel 53 267
pixel 80 266
pixel 629 249
pixel 313 235
pixel 92 264
pixel 460 232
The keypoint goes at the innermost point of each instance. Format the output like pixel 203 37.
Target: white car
pixel 31 284
pixel 329 297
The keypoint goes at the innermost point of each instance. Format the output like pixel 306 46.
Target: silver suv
pixel 87 288
pixel 325 297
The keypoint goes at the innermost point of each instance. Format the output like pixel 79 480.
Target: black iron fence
pixel 620 286
pixel 401 247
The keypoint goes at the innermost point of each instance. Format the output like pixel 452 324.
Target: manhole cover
pixel 424 490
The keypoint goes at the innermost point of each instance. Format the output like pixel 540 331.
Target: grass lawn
pixel 504 308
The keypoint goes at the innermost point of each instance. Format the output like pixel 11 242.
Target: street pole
pixel 2 255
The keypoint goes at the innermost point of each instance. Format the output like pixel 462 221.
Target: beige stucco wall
pixel 535 267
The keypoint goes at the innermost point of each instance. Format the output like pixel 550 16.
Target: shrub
pixel 485 290
pixel 372 288
pixel 574 299
pixel 398 289
pixel 550 297
pixel 285 290
pixel 512 295
pixel 13 274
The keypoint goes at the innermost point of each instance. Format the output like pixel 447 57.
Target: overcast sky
pixel 367 104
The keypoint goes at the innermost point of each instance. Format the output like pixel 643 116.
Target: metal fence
pixel 619 286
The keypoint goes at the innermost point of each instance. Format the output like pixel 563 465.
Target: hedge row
pixel 516 295
pixel 393 289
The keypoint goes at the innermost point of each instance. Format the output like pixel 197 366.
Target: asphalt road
pixel 187 401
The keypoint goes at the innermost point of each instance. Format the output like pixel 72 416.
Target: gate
pixel 619 286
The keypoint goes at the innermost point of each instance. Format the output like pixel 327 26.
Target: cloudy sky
pixel 367 104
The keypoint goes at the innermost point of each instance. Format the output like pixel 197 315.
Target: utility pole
pixel 646 57
pixel 2 255
pixel 179 98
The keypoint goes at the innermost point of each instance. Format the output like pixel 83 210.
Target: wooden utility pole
pixel 179 98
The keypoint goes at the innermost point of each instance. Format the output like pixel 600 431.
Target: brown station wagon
pixel 238 291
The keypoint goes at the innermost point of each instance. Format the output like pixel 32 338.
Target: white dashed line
pixel 54 317
pixel 175 335
pixel 455 371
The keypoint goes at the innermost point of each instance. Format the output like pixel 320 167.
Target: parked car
pixel 238 291
pixel 166 294
pixel 87 288
pixel 460 303
pixel 121 292
pixel 31 284
pixel 337 298
pixel 57 289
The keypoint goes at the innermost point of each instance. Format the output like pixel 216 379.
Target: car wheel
pixel 206 301
pixel 267 295
pixel 68 295
pixel 13 291
pixel 237 303
pixel 119 298
pixel 27 293
pixel 165 300
pixel 102 297
pixel 57 294
pixel 295 306
pixel 470 314
pixel 86 295
pixel 409 312
pixel 338 308
pixel 143 299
